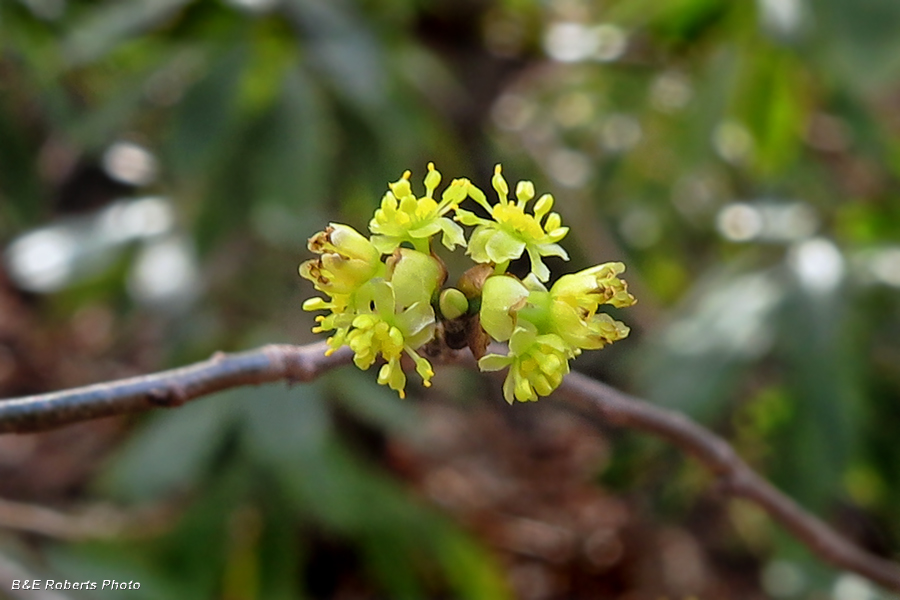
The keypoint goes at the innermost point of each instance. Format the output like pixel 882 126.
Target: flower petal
pixel 509 387
pixel 501 297
pixel 414 276
pixel 494 362
pixel 538 267
pixel 453 234
pixel 522 338
pixel 385 244
pixel 478 242
pixel 469 218
pixel 427 230
pixel 553 250
pixel 415 318
pixel 533 283
pixel 502 247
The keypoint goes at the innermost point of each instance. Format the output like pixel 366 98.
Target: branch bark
pixel 305 363
pixel 736 477
pixel 275 362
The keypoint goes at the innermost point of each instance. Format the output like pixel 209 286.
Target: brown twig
pixel 736 477
pixel 276 362
pixel 305 363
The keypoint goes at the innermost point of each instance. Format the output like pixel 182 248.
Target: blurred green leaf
pixel 681 21
pixel 373 403
pixel 102 29
pixel 822 438
pixel 174 451
pixel 20 187
pixel 772 101
pixel 293 163
pixel 851 33
pixel 287 432
pixel 205 125
pixel 343 49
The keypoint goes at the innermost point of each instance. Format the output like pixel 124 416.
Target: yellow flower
pixel 340 320
pixel 595 286
pixel 575 298
pixel 372 336
pixel 385 309
pixel 386 318
pixel 513 231
pixel 537 363
pixel 386 331
pixel 547 328
pixel 405 218
pixel 347 261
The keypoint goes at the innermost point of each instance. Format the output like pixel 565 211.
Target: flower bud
pixel 453 303
pixel 594 286
pixel 348 260
pixel 554 221
pixel 543 206
pixel 401 187
pixel 500 185
pixel 343 277
pixel 432 180
pixel 524 191
pixel 575 299
pixel 343 240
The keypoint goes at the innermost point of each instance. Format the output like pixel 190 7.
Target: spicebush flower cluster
pixel 386 294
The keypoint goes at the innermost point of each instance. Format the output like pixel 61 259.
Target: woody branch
pixel 305 363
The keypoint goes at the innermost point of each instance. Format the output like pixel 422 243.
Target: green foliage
pixel 271 462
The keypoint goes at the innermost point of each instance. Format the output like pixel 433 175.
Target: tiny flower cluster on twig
pixel 398 305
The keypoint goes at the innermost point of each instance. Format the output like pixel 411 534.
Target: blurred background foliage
pixel 162 163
